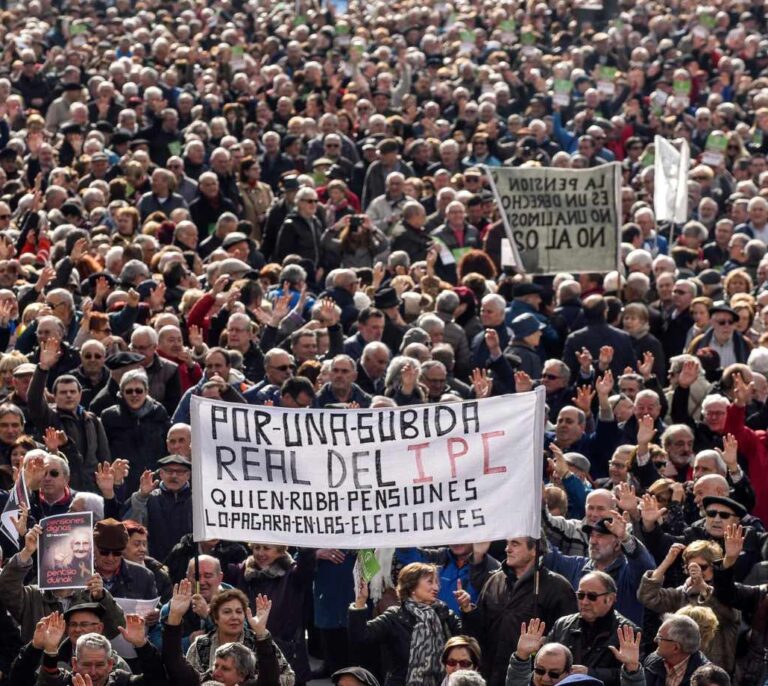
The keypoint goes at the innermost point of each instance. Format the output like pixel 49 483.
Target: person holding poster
pixel 412 634
pixel 66 551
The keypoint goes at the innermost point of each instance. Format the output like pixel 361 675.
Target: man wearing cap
pixel 117 365
pixel 722 337
pixel 387 300
pixel 122 579
pixel 28 604
pixel 22 377
pixel 388 161
pixel 58 110
pixel 526 336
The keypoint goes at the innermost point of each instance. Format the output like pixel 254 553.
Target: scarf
pixel 277 569
pixel 424 667
pixel 641 331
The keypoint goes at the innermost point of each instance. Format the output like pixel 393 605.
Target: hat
pixel 99 157
pixel 473 171
pixel 362 675
pixel 233 239
pixel 709 277
pixel 337 172
pixel 24 369
pixel 525 324
pixel 290 182
pixel 110 534
pixel 233 266
pixel 578 460
pixel 368 144
pixel 386 94
pixel 146 287
pixel 93 278
pixel 96 608
pixel 529 142
pixel 721 306
pixel 598 527
pixel 122 359
pixel 175 459
pixel 136 143
pixel 70 207
pixel 386 298
pixel 71 87
pixel 522 289
pixel 8 154
pixel 388 145
pixel 121 136
pixel 71 127
pixel 731 504
pixel 104 127
pixel 583 679
pixel 322 162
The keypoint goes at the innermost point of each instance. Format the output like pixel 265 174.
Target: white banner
pixel 561 220
pixel 670 180
pixel 425 475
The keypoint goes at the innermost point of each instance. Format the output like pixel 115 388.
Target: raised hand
pixel 557 462
pixel 650 512
pixel 696 576
pixel 481 383
pixel 531 638
pixel 79 249
pixel 329 313
pixel 605 357
pixel 53 632
pixel 30 543
pixel 6 311
pixel 379 272
pixel 646 430
pixel 20 522
pixel 730 452
pixel 604 385
pixel 220 284
pixel 617 525
pixel 200 606
pixel 585 360
pixel 408 378
pixel 742 391
pixel 734 543
pixel 133 298
pixel 121 468
pixel 523 382
pixel 105 480
pixel 147 483
pixel 361 598
pixel 50 352
pixel 95 586
pixel 47 274
pixel 628 652
pixel 34 471
pixel 195 337
pixel 492 342
pixel 688 374
pixel 157 297
pixel 280 309
pixel 645 368
pixel 583 399
pixel 82 680
pixel 627 497
pixel 54 439
pixel 134 631
pixel 180 601
pixel 462 598
pixel 258 623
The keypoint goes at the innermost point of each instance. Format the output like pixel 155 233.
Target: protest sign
pixel 428 474
pixel 561 220
pixel 670 173
pixel 17 497
pixel 65 551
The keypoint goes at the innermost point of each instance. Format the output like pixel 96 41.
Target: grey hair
pixel 430 322
pixel 720 465
pixel 293 273
pixel 146 331
pixel 243 659
pixel 609 585
pixel 65 295
pixel 134 375
pixel 93 641
pixel 466 677
pixel 495 299
pixel 372 347
pixel 673 430
pixel 446 302
pixel 399 258
pixel 56 322
pixel 93 503
pixel 682 630
pixel 714 399
pixel 432 364
pixel 395 368
pixel 676 363
pixel 133 269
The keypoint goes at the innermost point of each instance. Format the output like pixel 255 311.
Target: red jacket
pixel 754 446
pixel 189 375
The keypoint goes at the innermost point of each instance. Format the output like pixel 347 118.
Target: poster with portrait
pixel 65 551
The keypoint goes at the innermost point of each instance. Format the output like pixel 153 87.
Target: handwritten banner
pixel 424 475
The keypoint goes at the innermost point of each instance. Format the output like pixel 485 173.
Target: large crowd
pixel 289 204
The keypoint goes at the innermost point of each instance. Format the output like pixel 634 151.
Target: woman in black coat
pixel 413 633
pixel 136 427
pixel 636 323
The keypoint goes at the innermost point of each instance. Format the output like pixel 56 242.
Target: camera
pixel 355 222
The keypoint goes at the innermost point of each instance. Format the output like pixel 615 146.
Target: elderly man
pixel 92 373
pixel 278 368
pixel 302 230
pixel 409 233
pixel 569 534
pixel 370 328
pixel 162 197
pixel 372 368
pixel 677 655
pixel 454 238
pixel 210 204
pixel 179 440
pixel 52 328
pixel 387 210
pixel 170 346
pixel 164 379
pixel 117 364
pixel 679 320
pixel 342 389
pixel 240 337
pixel 492 315
pixel 86 442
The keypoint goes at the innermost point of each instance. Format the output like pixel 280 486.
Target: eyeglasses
pixel 133 391
pixel 83 625
pixel 714 514
pixel 679 291
pixel 5 216
pixel 53 473
pixel 93 356
pixel 464 664
pixel 550 377
pixel 553 673
pixel 591 596
pixel 722 322
pixel 310 202
pixel 282 367
pixel 664 638
pixel 616 463
pixel 110 553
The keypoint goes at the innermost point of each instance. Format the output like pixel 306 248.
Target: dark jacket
pixel 326 396
pixel 593 337
pixel 415 242
pixel 741 347
pixel 164 382
pixel 504 604
pixel 106 397
pixel 138 437
pixel 226 552
pixel 132 581
pixel 392 630
pixel 656 673
pixel 87 443
pixel 299 236
pixel 448 271
pixel 675 333
pixel 167 516
pixel 90 389
pixel 649 343
pixel 205 214
pixel 589 645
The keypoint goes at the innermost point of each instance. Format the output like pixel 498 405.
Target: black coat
pixel 415 242
pixel 138 439
pixel 656 673
pixel 675 333
pixel 649 343
pixel 133 581
pixel 593 337
pixel 299 236
pixel 392 630
pixel 205 214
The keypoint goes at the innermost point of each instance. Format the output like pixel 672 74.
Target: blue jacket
pixel 626 570
pixel 334 591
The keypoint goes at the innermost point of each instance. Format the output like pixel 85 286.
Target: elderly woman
pixel 460 652
pixel 699 558
pixel 401 382
pixel 636 323
pixel 136 427
pixel 272 572
pixel 413 633
pixel 235 623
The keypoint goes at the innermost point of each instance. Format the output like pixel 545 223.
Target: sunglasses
pixel 722 322
pixel 591 596
pixel 93 357
pixel 714 514
pixel 5 216
pixel 550 377
pixel 464 664
pixel 110 553
pixel 53 472
pixel 133 391
pixel 553 673
pixel 310 202
pixel 282 367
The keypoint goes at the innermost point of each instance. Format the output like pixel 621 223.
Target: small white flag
pixel 670 180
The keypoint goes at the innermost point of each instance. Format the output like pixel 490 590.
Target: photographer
pixel 354 242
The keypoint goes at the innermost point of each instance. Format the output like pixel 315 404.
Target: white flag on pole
pixel 670 178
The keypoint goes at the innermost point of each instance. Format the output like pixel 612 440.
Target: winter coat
pixel 167 516
pixel 520 673
pixel 656 672
pixel 228 553
pixel 392 630
pixel 138 437
pixel 753 445
pixel 164 382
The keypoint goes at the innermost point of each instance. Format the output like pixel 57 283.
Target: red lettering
pixel 423 478
pixel 486 436
pixel 461 449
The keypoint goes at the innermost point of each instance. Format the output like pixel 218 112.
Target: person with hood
pixel 136 426
pixel 413 633
pixel 272 572
pixel 526 336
